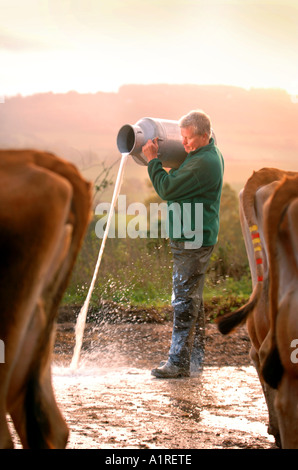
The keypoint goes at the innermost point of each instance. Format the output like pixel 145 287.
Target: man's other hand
pixel 150 149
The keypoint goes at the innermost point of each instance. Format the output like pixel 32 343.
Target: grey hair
pixel 199 120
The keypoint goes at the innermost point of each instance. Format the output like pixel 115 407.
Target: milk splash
pixel 81 320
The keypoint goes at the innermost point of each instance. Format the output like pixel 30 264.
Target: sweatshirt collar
pixel 206 147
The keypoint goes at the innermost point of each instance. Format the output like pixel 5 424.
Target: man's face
pixel 192 141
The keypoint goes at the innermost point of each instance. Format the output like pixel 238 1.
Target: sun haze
pixel 94 45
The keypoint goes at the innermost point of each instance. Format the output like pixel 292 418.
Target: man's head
pixel 195 130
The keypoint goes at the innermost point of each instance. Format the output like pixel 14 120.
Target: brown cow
pixel 44 212
pixel 269 221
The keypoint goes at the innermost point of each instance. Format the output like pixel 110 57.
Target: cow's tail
pixel 226 323
pixel 284 194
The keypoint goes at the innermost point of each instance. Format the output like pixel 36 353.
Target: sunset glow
pixel 94 45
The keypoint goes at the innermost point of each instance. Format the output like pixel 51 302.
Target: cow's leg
pixel 286 406
pixel 269 395
pixel 286 402
pixel 45 425
pixel 45 422
pixel 34 411
pixel 273 428
pixel 37 418
pixel 54 429
pixel 11 340
pixel 5 437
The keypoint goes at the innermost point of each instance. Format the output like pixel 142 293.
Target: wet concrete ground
pixel 112 402
pixel 127 408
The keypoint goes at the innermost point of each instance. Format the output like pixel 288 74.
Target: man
pixel 196 183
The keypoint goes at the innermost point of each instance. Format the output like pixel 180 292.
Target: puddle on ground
pixel 111 400
pixel 128 408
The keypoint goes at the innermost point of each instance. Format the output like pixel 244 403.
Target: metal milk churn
pixel 131 139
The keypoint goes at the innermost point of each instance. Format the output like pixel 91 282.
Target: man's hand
pixel 150 149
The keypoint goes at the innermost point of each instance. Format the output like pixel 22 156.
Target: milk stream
pixel 81 320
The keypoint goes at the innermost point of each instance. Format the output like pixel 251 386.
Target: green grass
pixel 148 293
pixel 228 287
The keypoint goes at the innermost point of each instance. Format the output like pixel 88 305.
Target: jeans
pixel 188 335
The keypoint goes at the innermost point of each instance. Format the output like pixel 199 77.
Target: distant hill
pixel 254 128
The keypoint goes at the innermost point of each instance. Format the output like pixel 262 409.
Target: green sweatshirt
pixel 199 179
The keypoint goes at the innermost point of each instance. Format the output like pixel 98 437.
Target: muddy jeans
pixel 188 336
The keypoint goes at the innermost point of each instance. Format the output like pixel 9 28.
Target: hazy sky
pixel 98 45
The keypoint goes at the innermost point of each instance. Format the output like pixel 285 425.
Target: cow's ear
pixel 272 369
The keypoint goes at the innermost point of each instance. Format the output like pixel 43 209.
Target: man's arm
pixel 168 186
